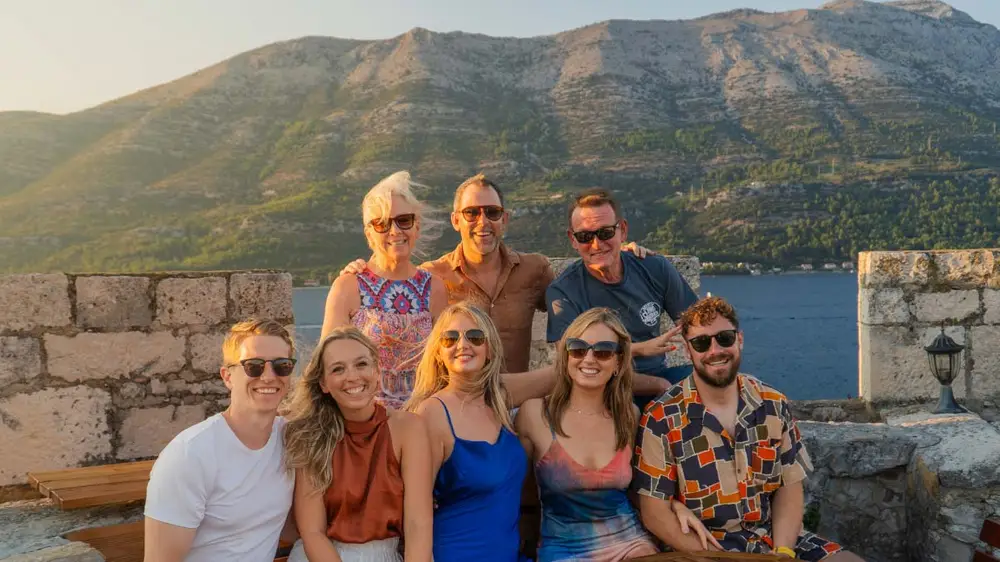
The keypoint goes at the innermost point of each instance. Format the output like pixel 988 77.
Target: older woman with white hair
pixel 392 301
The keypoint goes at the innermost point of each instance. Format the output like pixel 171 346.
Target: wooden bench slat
pixel 980 556
pixel 990 533
pixel 73 473
pixel 46 488
pixel 116 543
pixel 102 494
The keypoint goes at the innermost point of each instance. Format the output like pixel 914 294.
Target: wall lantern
pixel 943 355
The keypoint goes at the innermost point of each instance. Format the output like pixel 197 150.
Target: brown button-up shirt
pixel 519 292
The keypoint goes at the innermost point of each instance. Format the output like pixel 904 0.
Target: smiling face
pixel 481 236
pixel 716 366
pixel 602 255
pixel 396 243
pixel 463 359
pixel 264 393
pixel 350 374
pixel 589 372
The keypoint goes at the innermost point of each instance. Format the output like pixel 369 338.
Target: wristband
pixel 786 551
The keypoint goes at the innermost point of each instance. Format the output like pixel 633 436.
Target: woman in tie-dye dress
pixel 580 439
pixel 391 300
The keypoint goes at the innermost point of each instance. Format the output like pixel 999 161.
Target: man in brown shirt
pixel 508 285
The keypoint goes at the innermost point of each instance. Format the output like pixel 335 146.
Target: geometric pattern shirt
pixel 683 452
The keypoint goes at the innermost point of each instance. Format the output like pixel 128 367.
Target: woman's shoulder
pixel 404 422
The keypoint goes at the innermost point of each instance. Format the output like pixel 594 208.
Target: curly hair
pixel 705 311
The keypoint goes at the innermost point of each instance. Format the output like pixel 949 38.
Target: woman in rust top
pixel 362 473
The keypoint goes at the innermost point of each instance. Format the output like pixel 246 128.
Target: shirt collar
pixel 456 259
pixel 749 401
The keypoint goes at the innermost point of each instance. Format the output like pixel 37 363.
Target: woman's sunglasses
pixel 726 338
pixel 603 350
pixel 254 368
pixel 404 222
pixel 450 337
pixel 492 212
pixel 603 234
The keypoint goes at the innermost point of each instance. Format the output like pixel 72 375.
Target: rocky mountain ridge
pixel 663 111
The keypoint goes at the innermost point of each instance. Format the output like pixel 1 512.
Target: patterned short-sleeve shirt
pixel 728 481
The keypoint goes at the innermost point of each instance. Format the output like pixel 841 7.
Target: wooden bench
pixel 990 534
pixel 124 543
pixel 112 484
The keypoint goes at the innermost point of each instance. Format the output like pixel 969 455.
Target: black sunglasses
pixel 492 212
pixel 726 338
pixel 603 350
pixel 404 222
pixel 450 337
pixel 604 233
pixel 254 367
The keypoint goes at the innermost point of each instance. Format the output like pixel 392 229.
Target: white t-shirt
pixel 237 498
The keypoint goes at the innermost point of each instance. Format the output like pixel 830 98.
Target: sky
pixel 60 56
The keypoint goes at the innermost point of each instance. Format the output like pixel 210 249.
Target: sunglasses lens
pixel 606 233
pixel 253 367
pixel 405 222
pixel 701 343
pixel 494 213
pixel 726 339
pixel 476 337
pixel 283 367
pixel 449 338
pixel 603 354
pixel 471 214
pixel 584 237
pixel 380 226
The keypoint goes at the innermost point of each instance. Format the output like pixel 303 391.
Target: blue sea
pixel 800 330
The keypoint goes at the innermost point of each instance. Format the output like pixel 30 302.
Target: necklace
pixel 582 413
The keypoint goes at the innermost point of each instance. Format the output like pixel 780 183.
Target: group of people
pixel 416 424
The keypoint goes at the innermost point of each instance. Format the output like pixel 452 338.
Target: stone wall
pixel 103 368
pixel 904 299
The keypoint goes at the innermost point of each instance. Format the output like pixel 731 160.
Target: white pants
pixel 385 550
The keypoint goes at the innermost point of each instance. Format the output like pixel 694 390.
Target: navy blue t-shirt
pixel 648 287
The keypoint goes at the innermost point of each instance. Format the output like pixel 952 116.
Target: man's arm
pixel 165 542
pixel 562 312
pixel 787 507
pixel 659 518
pixel 176 497
pixel 532 384
pixel 645 385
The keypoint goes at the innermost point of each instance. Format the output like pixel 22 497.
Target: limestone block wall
pixel 541 352
pixel 101 368
pixel 904 298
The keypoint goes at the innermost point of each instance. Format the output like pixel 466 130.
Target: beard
pixel 718 381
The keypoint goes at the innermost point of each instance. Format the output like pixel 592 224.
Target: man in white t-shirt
pixel 219 491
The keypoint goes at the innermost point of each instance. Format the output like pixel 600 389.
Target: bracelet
pixel 785 550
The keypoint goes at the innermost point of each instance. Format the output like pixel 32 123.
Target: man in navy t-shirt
pixel 639 289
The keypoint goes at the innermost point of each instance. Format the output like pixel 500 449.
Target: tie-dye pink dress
pixel 396 315
pixel 586 513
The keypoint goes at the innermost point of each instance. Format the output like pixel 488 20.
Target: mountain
pixel 781 137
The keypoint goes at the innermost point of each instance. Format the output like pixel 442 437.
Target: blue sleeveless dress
pixel 478 494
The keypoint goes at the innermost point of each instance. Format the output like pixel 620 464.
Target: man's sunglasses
pixel 603 350
pixel 283 366
pixel 726 338
pixel 604 233
pixel 404 222
pixel 450 337
pixel 492 212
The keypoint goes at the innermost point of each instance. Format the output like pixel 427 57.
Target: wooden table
pixel 112 484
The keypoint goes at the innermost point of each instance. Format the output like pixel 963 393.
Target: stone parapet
pixel 98 368
pixel 904 299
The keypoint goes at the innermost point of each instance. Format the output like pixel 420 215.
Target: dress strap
pixel 447 413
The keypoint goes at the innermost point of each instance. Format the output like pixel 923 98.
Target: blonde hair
pixel 617 391
pixel 245 330
pixel 377 201
pixel 315 422
pixel 432 375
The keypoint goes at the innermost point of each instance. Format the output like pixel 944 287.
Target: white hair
pixel 379 198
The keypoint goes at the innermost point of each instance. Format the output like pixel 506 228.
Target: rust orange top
pixel 365 500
